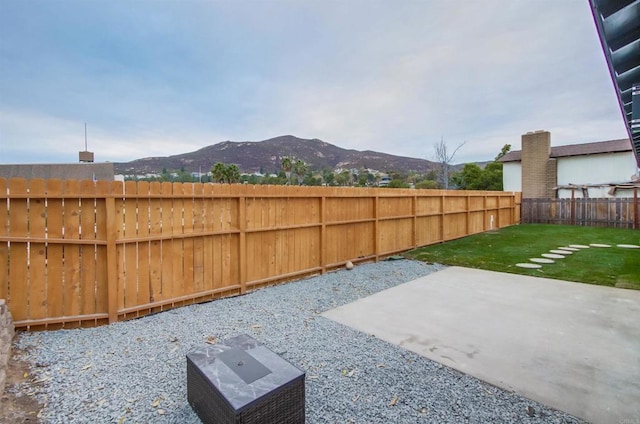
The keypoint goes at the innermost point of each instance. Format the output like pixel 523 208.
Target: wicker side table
pixel 242 381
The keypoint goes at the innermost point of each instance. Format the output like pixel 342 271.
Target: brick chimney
pixel 539 172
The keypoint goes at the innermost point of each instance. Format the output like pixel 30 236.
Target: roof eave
pixel 597 19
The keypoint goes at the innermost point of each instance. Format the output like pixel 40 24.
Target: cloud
pixel 161 78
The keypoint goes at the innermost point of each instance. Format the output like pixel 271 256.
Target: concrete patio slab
pixel 572 346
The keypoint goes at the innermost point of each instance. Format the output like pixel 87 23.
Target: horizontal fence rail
pixel 86 253
pixel 589 212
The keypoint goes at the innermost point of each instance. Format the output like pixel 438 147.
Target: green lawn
pixel 500 250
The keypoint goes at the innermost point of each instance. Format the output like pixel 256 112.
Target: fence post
pixel 242 224
pixel 573 207
pixel 414 211
pixel 498 223
pixel 376 226
pixel 442 216
pixel 112 263
pixel 468 217
pixel 323 232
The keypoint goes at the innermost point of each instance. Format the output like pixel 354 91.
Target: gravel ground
pixel 135 371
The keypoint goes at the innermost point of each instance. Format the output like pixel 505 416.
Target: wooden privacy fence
pixel 85 253
pixel 590 212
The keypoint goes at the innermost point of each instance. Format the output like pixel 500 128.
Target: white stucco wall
pixel 597 169
pixel 512 176
pixel 588 169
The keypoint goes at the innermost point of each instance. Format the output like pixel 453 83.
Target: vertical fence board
pixel 216 261
pixel 144 230
pixel 105 255
pixel 155 246
pixel 188 242
pixel 119 221
pixel 55 287
pixel 166 246
pixel 241 265
pixel 88 283
pixel 207 248
pixel 37 263
pixel 18 282
pixel 88 252
pixel 129 293
pixel 71 252
pixel 4 269
pixel 177 241
pixel 37 209
pixel 54 251
pixel 4 245
pixel 198 242
pixel 130 263
pixel 71 274
pixel 18 227
pixel 231 272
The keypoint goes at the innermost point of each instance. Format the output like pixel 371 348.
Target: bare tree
pixel 445 158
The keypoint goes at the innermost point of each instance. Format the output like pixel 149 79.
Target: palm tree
pixel 232 173
pixel 287 166
pixel 328 177
pixel 217 172
pixel 300 168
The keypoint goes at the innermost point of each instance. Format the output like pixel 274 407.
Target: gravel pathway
pixel 135 371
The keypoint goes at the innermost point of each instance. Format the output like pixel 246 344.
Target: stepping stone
pixel 629 246
pixel 573 249
pixel 542 260
pixel 552 256
pixel 579 246
pixel 528 265
pixel 599 245
pixel 561 252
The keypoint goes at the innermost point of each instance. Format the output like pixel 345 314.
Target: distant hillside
pixel 267 155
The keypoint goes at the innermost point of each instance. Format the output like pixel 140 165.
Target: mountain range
pixel 266 157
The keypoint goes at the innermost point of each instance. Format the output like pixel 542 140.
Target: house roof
pixel 600 147
pixel 618 25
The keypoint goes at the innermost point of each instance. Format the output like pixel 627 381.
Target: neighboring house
pixel 384 181
pixel 601 169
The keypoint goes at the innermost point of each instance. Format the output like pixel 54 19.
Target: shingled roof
pixel 600 147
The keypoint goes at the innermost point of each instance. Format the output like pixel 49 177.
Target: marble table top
pixel 243 370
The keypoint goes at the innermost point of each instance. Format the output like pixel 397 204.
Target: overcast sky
pixel 157 78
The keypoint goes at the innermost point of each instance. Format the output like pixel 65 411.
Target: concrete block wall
pixel 72 171
pixel 538 171
pixel 6 338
